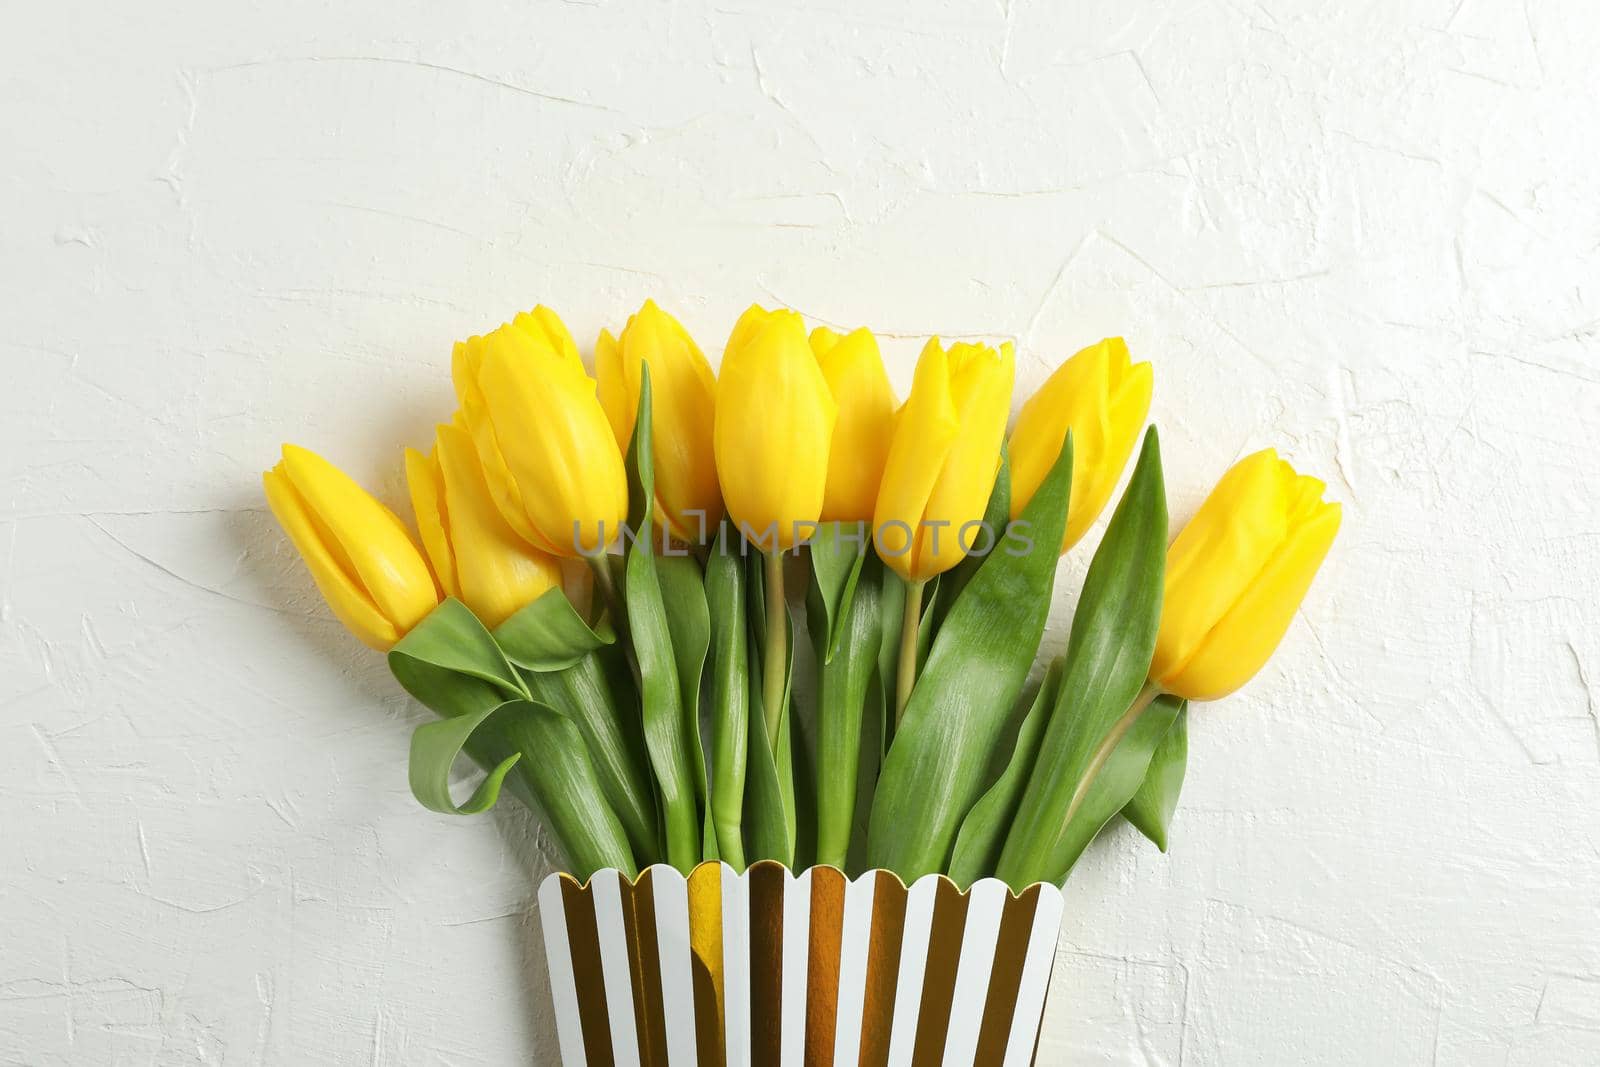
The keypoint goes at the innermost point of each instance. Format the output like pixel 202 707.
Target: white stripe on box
pixel 614 969
pixel 796 965
pixel 558 955
pixel 913 965
pixel 736 966
pixel 855 939
pixel 985 904
pixel 1035 978
pixel 677 972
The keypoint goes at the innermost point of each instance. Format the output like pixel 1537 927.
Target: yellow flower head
pixel 683 398
pixel 854 372
pixel 943 458
pixel 549 456
pixel 476 556
pixel 1103 399
pixel 1236 576
pixel 774 426
pixel 359 553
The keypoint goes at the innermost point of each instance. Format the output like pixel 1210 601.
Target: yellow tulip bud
pixel 774 424
pixel 1236 576
pixel 549 457
pixel 854 372
pixel 359 553
pixel 476 556
pixel 683 397
pixel 943 458
pixel 1103 400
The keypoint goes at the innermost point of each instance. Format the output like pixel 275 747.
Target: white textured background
pixel 1371 238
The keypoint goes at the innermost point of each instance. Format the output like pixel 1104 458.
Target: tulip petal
pixel 1240 644
pixel 345 596
pixel 773 426
pixel 545 328
pixel 558 447
pixel 980 385
pixel 925 430
pixel 379 550
pixel 426 482
pixel 498 572
pixel 684 391
pixel 854 371
pixel 1218 554
pixel 613 387
pixel 466 365
pixel 1103 400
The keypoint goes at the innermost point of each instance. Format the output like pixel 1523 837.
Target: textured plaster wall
pixel 1365 233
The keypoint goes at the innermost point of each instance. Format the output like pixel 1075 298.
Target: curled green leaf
pixel 452 664
pixel 550 635
pixel 561 778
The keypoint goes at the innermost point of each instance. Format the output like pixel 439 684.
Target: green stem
pixel 775 653
pixel 610 595
pixel 910 624
pixel 1109 745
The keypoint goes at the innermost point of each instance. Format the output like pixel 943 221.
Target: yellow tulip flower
pixel 476 556
pixel 854 372
pixel 1103 400
pixel 359 553
pixel 773 428
pixel 1236 576
pixel 548 454
pixel 683 397
pixel 943 458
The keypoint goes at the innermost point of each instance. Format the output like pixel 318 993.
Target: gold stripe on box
pixel 705 944
pixel 883 968
pixel 766 880
pixel 939 974
pixel 822 968
pixel 644 967
pixel 583 934
pixel 1005 976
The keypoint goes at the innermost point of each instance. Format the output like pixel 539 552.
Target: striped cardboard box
pixel 771 969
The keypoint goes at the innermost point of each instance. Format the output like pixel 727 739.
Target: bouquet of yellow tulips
pixel 773 613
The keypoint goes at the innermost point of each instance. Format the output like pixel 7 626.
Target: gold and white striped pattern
pixel 770 969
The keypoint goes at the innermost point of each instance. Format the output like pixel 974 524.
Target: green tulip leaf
pixel 434 748
pixel 837 554
pixel 1152 807
pixel 729 692
pixel 689 622
pixel 965 695
pixel 608 721
pixel 983 831
pixel 843 694
pixel 1117 781
pixel 452 665
pixel 550 635
pixel 669 740
pixel 1108 655
pixel 560 778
